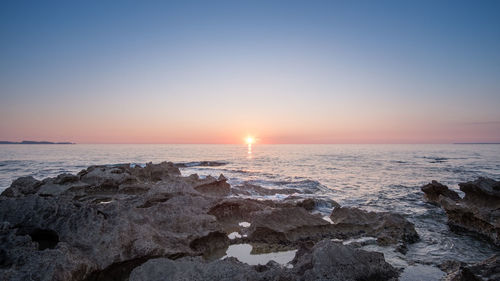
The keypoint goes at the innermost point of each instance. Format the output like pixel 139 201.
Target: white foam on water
pixel 244 224
pixel 328 219
pixel 359 240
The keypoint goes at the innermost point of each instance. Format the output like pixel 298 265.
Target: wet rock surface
pixel 119 221
pixel 488 269
pixel 325 261
pixel 434 190
pixel 477 212
pixel 389 228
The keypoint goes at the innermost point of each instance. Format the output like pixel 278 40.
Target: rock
pixel 333 261
pixel 325 261
pixel 486 270
pixel 478 211
pixel 434 190
pixel 314 203
pixel 97 229
pixel 22 186
pixel 308 204
pixel 214 187
pixel 483 192
pixel 389 228
pixel 107 220
pixel 285 225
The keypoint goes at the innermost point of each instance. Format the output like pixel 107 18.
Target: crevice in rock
pixel 46 238
pixel 154 201
pixel 211 242
pixel 119 271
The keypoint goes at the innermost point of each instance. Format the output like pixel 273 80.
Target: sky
pixel 281 71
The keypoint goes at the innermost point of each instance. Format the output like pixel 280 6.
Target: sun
pixel 249 140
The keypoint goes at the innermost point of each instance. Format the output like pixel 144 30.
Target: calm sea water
pixel 372 177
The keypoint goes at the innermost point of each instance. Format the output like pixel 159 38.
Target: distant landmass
pixel 477 143
pixel 34 142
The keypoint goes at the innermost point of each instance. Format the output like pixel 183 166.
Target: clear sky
pixel 282 71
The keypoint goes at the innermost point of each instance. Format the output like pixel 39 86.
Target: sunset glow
pixel 250 140
pixel 330 72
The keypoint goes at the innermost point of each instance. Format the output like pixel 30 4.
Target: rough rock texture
pixel 99 219
pixel 325 261
pixel 22 186
pixel 434 190
pixel 389 228
pixel 478 211
pixel 214 187
pixel 487 270
pixel 107 220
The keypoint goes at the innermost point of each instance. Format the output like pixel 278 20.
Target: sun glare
pixel 249 140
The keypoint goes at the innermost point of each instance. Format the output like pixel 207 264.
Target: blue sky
pixel 284 71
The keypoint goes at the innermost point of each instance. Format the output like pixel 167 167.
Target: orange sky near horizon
pixel 174 72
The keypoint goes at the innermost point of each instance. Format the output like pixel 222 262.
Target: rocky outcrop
pixel 22 186
pixel 212 186
pixel 325 261
pixel 487 270
pixel 478 211
pixel 389 228
pixel 434 190
pixel 107 220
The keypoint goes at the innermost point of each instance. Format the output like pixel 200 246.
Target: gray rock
pixel 478 211
pixel 487 270
pixel 325 261
pixel 434 190
pixel 107 220
pixel 22 186
pixel 389 228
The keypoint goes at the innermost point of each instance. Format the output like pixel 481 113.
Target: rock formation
pixel 107 221
pixel 478 211
pixel 488 269
pixel 325 261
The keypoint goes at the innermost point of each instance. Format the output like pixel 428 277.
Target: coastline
pixel 152 216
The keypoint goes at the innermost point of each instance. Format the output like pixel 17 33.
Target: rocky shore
pixel 127 222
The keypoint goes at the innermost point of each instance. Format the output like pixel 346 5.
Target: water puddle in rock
pixel 421 272
pixel 414 272
pixel 243 253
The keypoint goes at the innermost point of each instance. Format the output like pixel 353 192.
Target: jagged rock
pixel 389 228
pixel 434 190
pixel 478 211
pixel 214 187
pixel 22 186
pixel 325 261
pixel 314 203
pixel 487 270
pixel 285 225
pixel 105 221
pixel 333 261
pixel 82 232
pixel 482 192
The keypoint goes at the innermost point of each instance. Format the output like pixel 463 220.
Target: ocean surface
pixel 372 177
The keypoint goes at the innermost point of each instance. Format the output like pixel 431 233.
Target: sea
pixel 376 177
